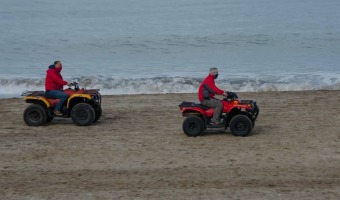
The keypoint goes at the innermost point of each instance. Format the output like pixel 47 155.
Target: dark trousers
pixel 58 94
pixel 214 103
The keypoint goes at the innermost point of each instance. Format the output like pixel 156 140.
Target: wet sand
pixel 138 150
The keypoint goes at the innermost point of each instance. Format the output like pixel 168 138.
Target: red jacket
pixel 54 80
pixel 208 88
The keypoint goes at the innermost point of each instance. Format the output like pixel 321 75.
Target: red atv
pixel 83 106
pixel 238 115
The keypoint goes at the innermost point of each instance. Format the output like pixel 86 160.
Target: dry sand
pixel 139 151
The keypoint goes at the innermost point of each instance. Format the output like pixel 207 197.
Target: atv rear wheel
pixel 193 126
pixel 98 111
pixel 240 125
pixel 83 114
pixel 35 115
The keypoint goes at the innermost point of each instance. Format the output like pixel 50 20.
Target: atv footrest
pixel 215 126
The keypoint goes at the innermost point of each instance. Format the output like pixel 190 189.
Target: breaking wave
pixel 163 84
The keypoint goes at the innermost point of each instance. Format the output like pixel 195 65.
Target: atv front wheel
pixel 98 111
pixel 35 115
pixel 193 126
pixel 83 114
pixel 240 125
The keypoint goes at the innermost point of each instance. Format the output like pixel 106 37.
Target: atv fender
pixel 40 99
pixel 239 107
pixel 77 96
pixel 191 112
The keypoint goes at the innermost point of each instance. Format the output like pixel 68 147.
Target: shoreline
pixel 10 96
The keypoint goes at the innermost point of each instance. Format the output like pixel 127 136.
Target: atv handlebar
pixel 75 85
pixel 231 96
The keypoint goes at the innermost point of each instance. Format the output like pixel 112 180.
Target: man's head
pixel 214 72
pixel 58 66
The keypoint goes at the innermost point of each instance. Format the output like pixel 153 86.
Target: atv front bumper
pixel 254 109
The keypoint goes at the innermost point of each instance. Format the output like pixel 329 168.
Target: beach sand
pixel 139 151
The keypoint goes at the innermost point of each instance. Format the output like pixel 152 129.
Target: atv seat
pixel 53 102
pixel 193 104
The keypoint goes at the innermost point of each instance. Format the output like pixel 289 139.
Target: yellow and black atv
pixel 83 106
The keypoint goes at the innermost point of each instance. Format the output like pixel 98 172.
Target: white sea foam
pixel 163 84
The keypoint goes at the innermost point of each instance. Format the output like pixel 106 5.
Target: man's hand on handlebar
pixel 225 93
pixel 69 84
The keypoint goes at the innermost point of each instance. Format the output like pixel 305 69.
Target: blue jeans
pixel 58 94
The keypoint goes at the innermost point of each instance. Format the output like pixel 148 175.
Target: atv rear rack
pixel 33 93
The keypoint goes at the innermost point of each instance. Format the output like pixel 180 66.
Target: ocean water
pixel 161 46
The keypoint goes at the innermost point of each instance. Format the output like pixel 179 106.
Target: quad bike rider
pixel 54 84
pixel 206 95
pixel 82 105
pixel 238 115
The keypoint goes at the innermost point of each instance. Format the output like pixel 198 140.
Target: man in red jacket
pixel 206 94
pixel 54 84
